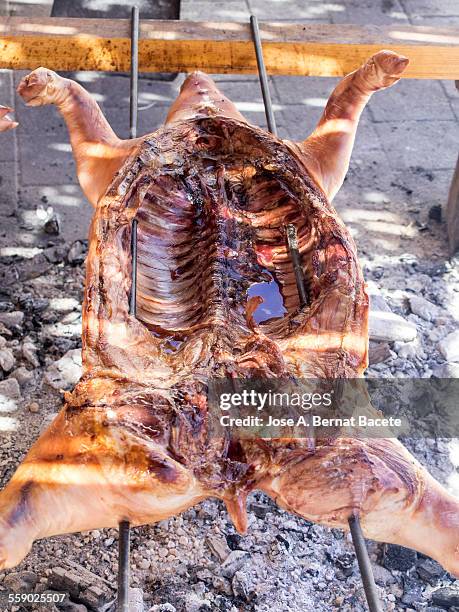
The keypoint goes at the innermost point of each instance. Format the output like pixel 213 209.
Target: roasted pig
pixel 212 196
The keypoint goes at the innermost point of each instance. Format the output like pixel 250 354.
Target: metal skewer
pixel 292 241
pixel 133 296
pixel 124 549
pixel 124 542
pixel 263 76
pixel 361 551
pixel 364 562
pixel 134 93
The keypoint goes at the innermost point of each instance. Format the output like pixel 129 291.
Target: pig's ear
pixel 6 123
pixel 328 149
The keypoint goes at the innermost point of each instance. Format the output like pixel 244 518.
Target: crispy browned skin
pixel 212 196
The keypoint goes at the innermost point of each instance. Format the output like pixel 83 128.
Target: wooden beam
pixel 220 47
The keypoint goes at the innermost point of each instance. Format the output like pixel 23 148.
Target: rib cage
pixel 205 191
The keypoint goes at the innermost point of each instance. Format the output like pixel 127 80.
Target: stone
pixel 398 558
pixel 233 563
pixel 144 564
pixel 20 582
pixel 377 302
pixel 390 327
pixel 63 305
pixel 34 407
pixel 383 576
pixel 77 253
pixel 61 331
pixel 22 375
pixel 407 350
pixel 29 352
pixel 449 346
pixel 65 372
pixel 7 360
pixel 12 320
pixel 10 395
pixel 164 607
pixel 446 370
pixel 429 570
pixel 446 597
pixel 378 352
pixel 135 600
pixel 423 308
pixel 219 547
pixel 243 587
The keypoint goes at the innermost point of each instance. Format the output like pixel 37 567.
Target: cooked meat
pixel 216 297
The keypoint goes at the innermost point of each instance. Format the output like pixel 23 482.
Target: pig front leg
pixel 328 149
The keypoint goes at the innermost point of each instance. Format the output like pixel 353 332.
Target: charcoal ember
pixel 52 226
pixel 70 606
pixel 398 558
pixel 435 213
pixel 20 582
pixel 446 597
pixel 234 540
pixel 243 587
pixel 429 570
pixel 260 510
pixel 344 562
pixel 25 269
pixel 82 585
pixel 30 303
pixel 412 592
pixel 55 254
pixel 235 560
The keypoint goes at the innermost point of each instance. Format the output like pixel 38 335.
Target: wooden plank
pixel 452 212
pixel 220 47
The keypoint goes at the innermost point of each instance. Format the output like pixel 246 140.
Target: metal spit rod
pixel 364 562
pixel 124 541
pixel 263 76
pixel 361 551
pixel 124 550
pixel 292 241
pixel 134 84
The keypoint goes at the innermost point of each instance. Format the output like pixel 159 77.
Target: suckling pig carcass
pixel 212 196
